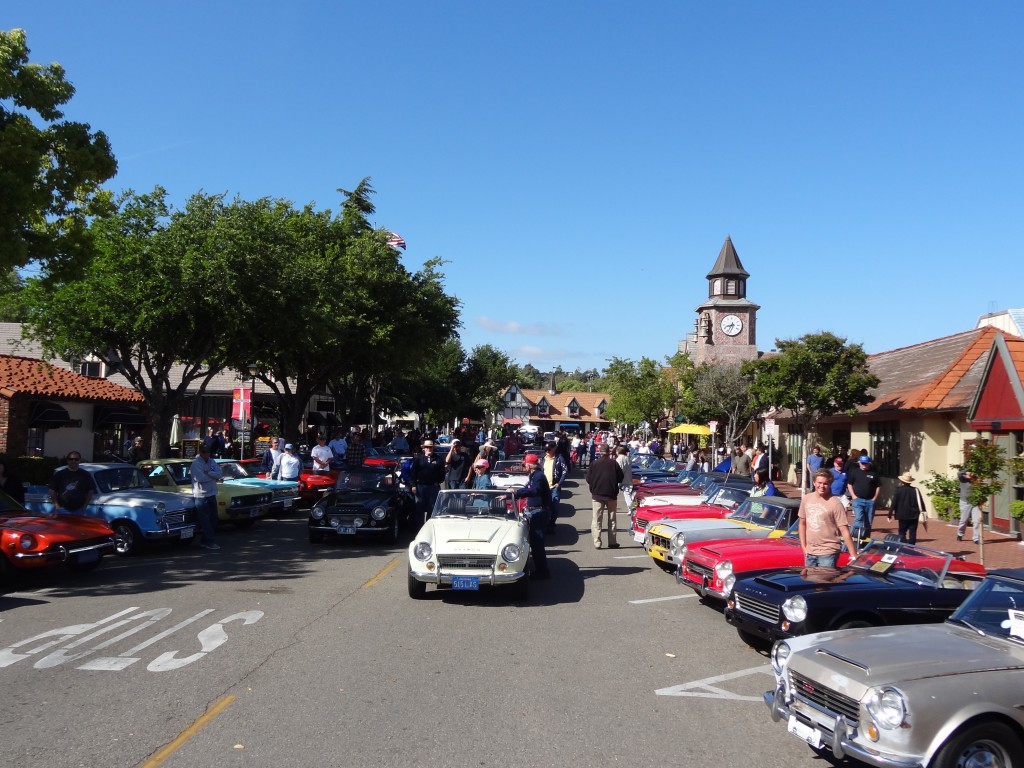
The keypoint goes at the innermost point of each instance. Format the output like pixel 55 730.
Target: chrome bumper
pixel 488 578
pixel 837 741
pixel 63 554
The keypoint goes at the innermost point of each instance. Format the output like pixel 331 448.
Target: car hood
pixel 143 497
pixel 751 552
pixel 453 533
pixel 361 498
pixel 911 652
pixel 58 528
pixel 670 528
pixel 677 512
pixel 793 580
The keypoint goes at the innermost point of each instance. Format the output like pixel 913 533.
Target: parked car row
pixel 901 656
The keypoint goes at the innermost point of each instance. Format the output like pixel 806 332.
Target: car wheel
pixel 521 589
pixel 984 744
pixel 417 589
pixel 78 567
pixel 391 537
pixel 856 624
pixel 127 537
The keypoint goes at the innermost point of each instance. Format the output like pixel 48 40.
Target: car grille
pixel 178 518
pixel 698 569
pixel 285 493
pixel 253 500
pixel 824 698
pixel 465 562
pixel 761 609
pixel 659 541
pixel 641 524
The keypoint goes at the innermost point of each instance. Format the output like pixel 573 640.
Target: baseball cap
pixel 289 447
pixel 481 463
pixel 530 458
pixel 864 460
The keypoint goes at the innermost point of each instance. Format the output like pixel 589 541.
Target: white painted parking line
pixel 711 691
pixel 628 557
pixel 660 599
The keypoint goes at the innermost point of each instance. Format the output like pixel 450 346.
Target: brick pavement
pixel 1000 551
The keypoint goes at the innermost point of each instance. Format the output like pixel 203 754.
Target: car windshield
pixel 894 559
pixel 120 479
pixel 179 473
pixel 995 608
pixel 763 514
pixel 365 479
pixel 233 470
pixel 381 452
pixel 10 508
pixel 482 503
pixel 728 497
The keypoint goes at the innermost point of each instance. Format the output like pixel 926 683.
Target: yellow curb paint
pixel 380 575
pixel 200 722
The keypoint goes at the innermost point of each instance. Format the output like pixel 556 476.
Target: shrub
pixel 1017 509
pixel 945 495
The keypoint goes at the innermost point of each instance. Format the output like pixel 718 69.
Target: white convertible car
pixel 473 538
pixel 510 473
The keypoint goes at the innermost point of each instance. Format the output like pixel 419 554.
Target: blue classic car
pixel 285 492
pixel 124 498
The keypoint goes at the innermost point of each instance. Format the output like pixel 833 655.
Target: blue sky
pixel 579 164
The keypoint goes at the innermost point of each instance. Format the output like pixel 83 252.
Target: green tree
pixel 488 373
pixel 815 376
pixel 151 299
pixel 12 298
pixel 718 391
pixel 639 391
pixel 530 378
pixel 51 168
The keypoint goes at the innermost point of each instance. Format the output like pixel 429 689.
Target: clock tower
pixel 726 325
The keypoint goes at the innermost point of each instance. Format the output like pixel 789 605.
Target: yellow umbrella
pixel 690 429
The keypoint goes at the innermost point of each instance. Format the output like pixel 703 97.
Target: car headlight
pixel 422 550
pixel 379 513
pixel 723 569
pixel 887 706
pixel 511 552
pixel 681 553
pixel 317 513
pixel 160 507
pixel 358 522
pixel 27 541
pixel 780 655
pixel 795 609
pixel 727 584
pixel 236 501
pixel 678 540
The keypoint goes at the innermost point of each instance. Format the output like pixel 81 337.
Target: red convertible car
pixel 312 485
pixel 29 540
pixel 724 501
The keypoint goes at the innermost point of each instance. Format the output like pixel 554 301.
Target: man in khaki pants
pixel 604 478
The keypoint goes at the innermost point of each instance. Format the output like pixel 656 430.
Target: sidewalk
pixel 1000 551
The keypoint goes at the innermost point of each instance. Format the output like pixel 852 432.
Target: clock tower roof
pixel 728 262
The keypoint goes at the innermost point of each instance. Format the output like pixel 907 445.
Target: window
pixel 885 447
pixel 716 286
pixel 730 287
pixel 91 368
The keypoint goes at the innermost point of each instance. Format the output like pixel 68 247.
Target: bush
pixel 1017 509
pixel 945 494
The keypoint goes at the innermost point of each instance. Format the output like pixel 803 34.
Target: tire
pixel 417 589
pixel 855 624
pixel 521 589
pixel 990 744
pixel 127 537
pixel 391 537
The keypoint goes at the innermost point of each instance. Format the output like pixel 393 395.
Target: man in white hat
pixel 907 508
pixel 426 476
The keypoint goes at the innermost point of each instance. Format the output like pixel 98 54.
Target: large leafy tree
pixel 719 391
pixel 813 377
pixel 152 299
pixel 488 373
pixel 639 391
pixel 51 169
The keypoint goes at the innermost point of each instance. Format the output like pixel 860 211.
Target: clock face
pixel 731 325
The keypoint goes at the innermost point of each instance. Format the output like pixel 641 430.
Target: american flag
pixel 395 240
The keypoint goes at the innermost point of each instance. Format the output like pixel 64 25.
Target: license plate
pixel 89 556
pixel 254 513
pixel 465 582
pixel 188 533
pixel 349 529
pixel 638 537
pixel 288 503
pixel 802 731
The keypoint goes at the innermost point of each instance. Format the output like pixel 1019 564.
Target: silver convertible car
pixel 938 695
pixel 473 538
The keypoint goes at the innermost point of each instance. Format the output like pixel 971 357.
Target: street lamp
pixel 253 370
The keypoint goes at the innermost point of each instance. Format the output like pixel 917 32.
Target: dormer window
pixel 543 408
pixel 730 287
pixel 573 408
pixel 716 286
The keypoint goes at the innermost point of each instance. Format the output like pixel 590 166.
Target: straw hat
pixel 907 478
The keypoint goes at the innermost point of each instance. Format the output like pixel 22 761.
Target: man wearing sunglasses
pixel 71 488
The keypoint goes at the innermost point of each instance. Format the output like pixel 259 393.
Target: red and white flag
pixel 395 240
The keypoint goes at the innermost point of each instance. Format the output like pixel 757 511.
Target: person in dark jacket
pixel 426 476
pixel 556 469
pixel 604 478
pixel 907 506
pixel 537 494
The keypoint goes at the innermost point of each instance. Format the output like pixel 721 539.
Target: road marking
pixel 384 572
pixel 711 691
pixel 628 557
pixel 198 724
pixel 660 599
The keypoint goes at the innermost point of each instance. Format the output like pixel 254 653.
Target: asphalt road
pixel 277 652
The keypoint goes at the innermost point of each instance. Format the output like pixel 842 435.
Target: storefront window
pixel 885 447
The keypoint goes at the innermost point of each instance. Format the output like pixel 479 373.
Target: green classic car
pixel 237 504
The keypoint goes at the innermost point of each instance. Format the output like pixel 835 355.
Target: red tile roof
pixel 559 403
pixel 36 377
pixel 938 375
